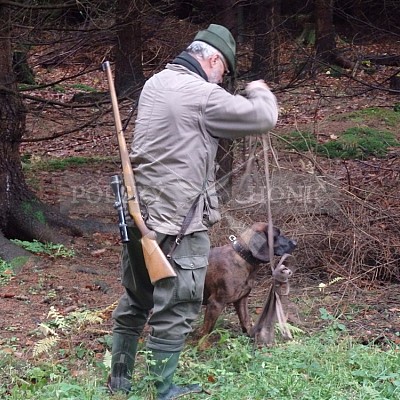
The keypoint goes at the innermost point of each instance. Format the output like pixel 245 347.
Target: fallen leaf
pixel 8 295
pixel 98 252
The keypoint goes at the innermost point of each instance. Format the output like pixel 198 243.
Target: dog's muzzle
pixel 284 246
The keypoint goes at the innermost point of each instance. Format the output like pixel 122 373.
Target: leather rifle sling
pixel 185 224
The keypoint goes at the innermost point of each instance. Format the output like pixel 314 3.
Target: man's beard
pixel 214 77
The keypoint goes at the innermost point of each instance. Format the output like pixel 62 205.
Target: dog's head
pixel 256 238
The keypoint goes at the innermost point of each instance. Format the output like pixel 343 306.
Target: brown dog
pixel 232 272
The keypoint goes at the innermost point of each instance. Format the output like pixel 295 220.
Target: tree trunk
pixel 395 84
pixel 22 69
pixel 266 45
pixel 128 62
pixel 22 215
pixel 325 45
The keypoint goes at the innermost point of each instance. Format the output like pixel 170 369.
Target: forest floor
pixel 368 308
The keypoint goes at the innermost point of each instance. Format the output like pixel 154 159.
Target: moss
pixel 28 207
pixel 83 87
pixel 57 164
pixel 18 262
pixel 388 117
pixel 356 142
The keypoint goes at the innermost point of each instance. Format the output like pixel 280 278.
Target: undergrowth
pixel 50 249
pixel 35 163
pixel 6 272
pixel 354 143
pixel 383 116
pixel 59 326
pixel 329 365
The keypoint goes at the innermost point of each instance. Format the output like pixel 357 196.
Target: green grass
pixel 354 143
pixel 59 88
pixel 84 88
pixel 47 381
pixel 57 164
pixel 301 141
pixel 317 368
pixel 385 116
pixel 327 366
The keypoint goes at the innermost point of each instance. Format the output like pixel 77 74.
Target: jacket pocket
pixel 191 275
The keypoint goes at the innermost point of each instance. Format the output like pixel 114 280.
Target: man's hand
pixel 257 84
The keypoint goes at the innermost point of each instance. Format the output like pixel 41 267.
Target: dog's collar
pixel 243 252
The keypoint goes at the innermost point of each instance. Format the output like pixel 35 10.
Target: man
pixel 182 113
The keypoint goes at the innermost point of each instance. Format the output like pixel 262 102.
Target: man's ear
pixel 213 60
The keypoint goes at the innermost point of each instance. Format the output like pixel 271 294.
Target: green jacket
pixel 180 119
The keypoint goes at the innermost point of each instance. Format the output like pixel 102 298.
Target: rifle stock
pixel 157 264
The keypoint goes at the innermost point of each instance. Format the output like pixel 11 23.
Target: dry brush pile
pixel 345 215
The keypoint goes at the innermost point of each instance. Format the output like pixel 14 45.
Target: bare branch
pixel 64 5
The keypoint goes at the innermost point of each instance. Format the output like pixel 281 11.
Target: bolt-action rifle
pixel 157 264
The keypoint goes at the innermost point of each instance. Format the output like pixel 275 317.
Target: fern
pixel 45 345
pixel 107 359
pixel 294 330
pixel 337 279
pixel 60 324
pixel 74 320
pixel 81 318
pixel 322 285
pixel 58 320
pixel 46 330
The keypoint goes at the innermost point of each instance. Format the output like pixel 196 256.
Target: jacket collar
pixel 188 61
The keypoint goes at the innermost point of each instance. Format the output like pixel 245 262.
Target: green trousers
pixel 175 302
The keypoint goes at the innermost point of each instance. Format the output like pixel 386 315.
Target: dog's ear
pixel 258 245
pixel 276 232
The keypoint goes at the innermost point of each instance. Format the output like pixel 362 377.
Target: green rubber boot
pixel 165 364
pixel 122 362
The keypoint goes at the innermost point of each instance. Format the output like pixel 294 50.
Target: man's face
pixel 218 69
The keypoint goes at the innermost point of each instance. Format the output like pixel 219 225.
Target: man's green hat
pixel 219 37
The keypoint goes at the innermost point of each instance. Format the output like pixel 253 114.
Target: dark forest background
pixel 52 91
